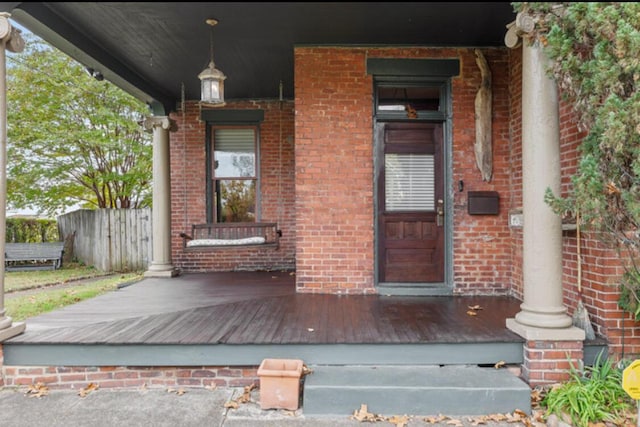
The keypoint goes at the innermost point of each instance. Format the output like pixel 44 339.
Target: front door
pixel 411 204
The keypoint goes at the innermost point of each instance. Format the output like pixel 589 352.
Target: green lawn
pixel 45 296
pixel 21 280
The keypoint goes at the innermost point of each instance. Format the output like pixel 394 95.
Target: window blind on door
pixel 409 182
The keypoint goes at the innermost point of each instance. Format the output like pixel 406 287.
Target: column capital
pixel 10 35
pixel 162 122
pixel 516 30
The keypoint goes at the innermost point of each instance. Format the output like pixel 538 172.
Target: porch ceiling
pixel 152 49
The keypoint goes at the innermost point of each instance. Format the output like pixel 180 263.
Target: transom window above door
pixel 407 101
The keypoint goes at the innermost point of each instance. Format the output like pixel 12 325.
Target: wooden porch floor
pixel 263 308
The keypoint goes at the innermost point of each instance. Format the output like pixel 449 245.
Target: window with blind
pixel 409 182
pixel 234 174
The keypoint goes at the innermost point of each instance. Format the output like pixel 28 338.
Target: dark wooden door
pixel 411 204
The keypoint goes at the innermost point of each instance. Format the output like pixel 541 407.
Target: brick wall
pixel 481 250
pixel 334 171
pixel 79 377
pixel 550 362
pixel 188 195
pixel 515 184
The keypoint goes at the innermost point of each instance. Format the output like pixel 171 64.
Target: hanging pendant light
pixel 212 79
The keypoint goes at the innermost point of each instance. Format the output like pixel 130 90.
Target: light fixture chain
pixel 211 44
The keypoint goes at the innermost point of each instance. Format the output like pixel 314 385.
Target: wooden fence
pixel 110 239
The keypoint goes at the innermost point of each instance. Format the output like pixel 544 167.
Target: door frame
pixel 443 116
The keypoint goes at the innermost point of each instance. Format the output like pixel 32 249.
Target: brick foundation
pixel 550 362
pixel 78 377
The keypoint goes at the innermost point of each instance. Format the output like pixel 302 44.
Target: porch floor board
pixel 263 308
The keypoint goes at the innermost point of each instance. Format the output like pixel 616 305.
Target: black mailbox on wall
pixel 483 203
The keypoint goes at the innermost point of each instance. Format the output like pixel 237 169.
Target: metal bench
pixel 233 234
pixel 33 256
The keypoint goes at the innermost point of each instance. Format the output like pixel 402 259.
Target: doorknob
pixel 440 213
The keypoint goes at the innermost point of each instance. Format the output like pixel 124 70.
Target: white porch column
pixel 161 265
pixel 543 315
pixel 9 39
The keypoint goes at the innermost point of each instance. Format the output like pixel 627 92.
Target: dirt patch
pixel 54 286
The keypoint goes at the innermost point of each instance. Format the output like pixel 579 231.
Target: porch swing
pixel 232 234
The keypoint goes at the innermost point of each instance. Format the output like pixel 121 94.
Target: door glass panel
pixel 409 182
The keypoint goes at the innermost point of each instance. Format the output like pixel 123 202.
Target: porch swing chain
pixel 279 213
pixel 184 155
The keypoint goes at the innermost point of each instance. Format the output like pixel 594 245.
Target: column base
pixel 549 318
pixel 164 270
pixel 12 331
pixel 532 333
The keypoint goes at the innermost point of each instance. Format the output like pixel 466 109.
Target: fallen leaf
pixel 520 413
pixel 363 414
pixel 306 370
pixel 244 398
pixel 232 404
pixel 497 417
pixel 310 329
pixel 537 395
pixel 399 421
pixel 88 389
pixel 37 390
pixel 435 420
pixel 211 387
pixel 475 307
pixel 472 313
pixel 500 364
pixel 179 391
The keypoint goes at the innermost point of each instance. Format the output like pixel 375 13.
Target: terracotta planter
pixel 280 383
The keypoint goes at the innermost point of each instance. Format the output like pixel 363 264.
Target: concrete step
pixel 414 390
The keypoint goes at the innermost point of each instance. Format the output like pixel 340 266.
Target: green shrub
pixel 592 395
pixel 31 230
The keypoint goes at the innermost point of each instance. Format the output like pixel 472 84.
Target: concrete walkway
pixel 162 407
